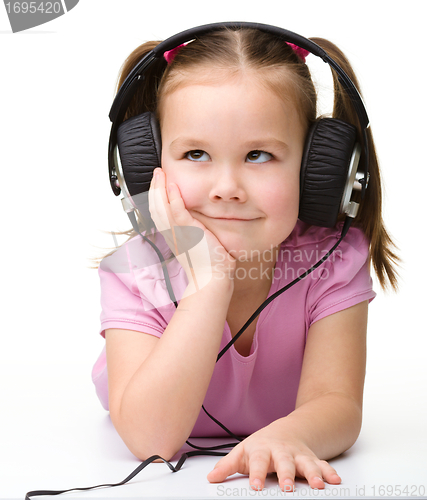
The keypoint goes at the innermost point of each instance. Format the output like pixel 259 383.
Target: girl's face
pixel 234 149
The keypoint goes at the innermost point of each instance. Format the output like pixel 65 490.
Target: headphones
pixel 329 168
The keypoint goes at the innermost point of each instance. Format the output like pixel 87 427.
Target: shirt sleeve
pixel 133 290
pixel 344 280
pixel 124 309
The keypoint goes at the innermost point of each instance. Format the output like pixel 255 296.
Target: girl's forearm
pixel 162 401
pixel 328 424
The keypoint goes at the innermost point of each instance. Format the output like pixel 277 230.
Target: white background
pixel 56 87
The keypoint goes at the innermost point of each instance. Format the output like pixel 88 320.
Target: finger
pixel 153 200
pixel 169 204
pixel 310 470
pixel 182 217
pixel 177 206
pixel 329 474
pixel 224 468
pixel 285 469
pixel 161 198
pixel 151 206
pixel 259 464
pixel 158 203
pixel 161 213
pixel 175 242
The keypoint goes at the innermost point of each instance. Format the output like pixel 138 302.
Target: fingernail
pixel 256 484
pixel 288 485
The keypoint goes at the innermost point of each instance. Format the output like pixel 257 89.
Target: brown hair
pixel 231 52
pixel 369 217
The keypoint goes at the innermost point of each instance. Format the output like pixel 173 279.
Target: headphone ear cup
pixel 324 170
pixel 139 145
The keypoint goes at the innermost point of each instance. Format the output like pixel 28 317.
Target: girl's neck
pixel 254 277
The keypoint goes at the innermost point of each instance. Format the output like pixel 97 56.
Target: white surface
pixel 56 87
pixel 63 440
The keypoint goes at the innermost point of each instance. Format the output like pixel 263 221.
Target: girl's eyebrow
pixel 190 142
pixel 266 143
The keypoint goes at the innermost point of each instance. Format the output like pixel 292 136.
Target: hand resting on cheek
pixel 207 259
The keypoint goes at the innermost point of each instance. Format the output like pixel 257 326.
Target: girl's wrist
pixel 223 281
pixel 221 284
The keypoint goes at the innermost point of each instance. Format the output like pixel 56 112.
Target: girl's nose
pixel 228 185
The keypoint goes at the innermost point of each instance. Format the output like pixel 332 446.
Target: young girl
pixel 234 108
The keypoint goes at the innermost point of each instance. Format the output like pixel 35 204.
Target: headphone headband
pixel 135 77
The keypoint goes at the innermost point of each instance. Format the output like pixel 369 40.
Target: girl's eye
pixel 197 155
pixel 258 157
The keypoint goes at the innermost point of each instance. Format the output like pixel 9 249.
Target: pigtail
pixel 382 248
pixel 145 97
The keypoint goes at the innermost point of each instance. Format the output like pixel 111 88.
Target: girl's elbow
pixel 145 444
pixel 145 452
pixel 145 447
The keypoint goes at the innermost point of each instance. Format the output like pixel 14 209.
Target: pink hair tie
pixel 299 51
pixel 169 55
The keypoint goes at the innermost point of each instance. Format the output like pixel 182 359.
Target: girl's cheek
pixel 284 204
pixel 189 193
pixel 185 182
pixel 191 190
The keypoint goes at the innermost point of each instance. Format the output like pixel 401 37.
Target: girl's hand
pixel 197 249
pixel 264 452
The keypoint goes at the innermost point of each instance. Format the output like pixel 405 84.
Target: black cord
pixel 134 223
pixel 140 467
pixel 228 445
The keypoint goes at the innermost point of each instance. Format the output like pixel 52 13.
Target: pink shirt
pixel 245 393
